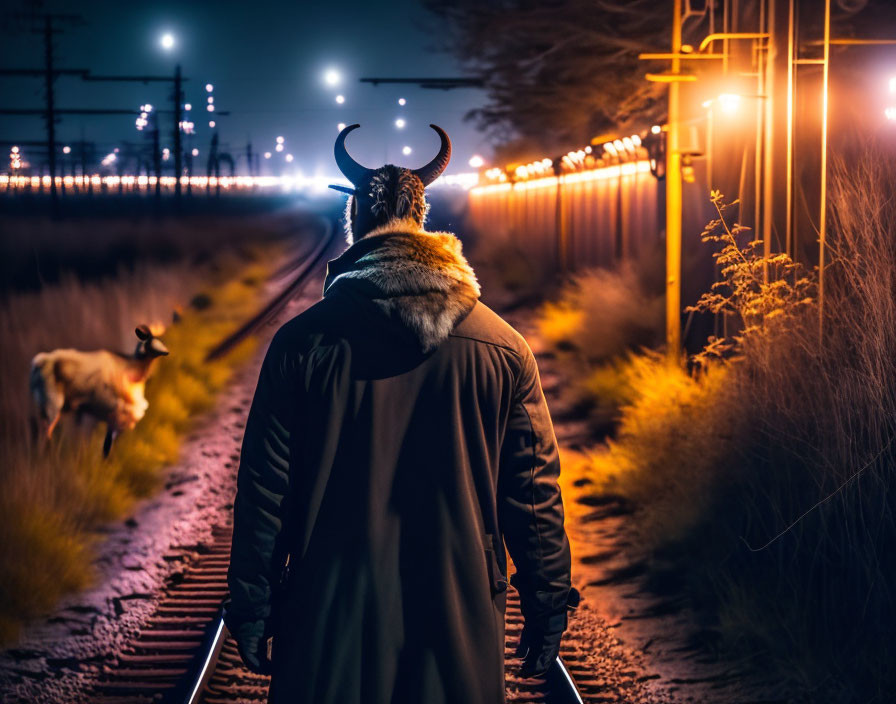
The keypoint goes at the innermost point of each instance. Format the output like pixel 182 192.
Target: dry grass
pixel 767 482
pixel 600 317
pixel 53 495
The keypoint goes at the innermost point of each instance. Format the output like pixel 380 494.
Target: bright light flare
pixel 332 77
pixel 400 123
pixel 167 41
pixel 406 150
pixel 209 87
pixel 188 107
pixel 340 99
pixel 402 102
pixel 211 123
pixel 66 150
pixel 267 155
pixel 893 84
pixel 729 103
pixel 210 107
pixel 340 126
pixel 195 152
pixel 289 158
pixel 279 147
pixel 890 114
pixel 476 161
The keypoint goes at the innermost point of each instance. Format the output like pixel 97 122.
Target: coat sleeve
pixel 530 506
pixel 262 484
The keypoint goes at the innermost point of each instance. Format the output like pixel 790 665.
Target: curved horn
pixel 350 168
pixel 433 169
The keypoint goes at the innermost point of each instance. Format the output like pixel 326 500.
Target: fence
pixel 576 220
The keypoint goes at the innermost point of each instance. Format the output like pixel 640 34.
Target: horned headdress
pixel 390 192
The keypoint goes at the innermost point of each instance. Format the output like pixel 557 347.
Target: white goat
pixel 106 385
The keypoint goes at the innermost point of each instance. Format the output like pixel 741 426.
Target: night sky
pixel 266 60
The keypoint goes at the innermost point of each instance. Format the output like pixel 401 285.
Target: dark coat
pixel 399 437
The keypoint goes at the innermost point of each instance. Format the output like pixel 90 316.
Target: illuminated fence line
pixel 146 184
pixel 593 217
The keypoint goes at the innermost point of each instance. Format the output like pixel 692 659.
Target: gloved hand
pixel 251 640
pixel 538 651
pixel 539 645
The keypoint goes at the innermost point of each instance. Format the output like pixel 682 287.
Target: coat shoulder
pixel 485 326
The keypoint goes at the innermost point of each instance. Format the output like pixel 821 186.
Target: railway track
pixel 183 653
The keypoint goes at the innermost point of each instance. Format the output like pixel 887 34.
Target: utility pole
pixel 157 159
pixel 673 200
pixel 178 156
pixel 51 114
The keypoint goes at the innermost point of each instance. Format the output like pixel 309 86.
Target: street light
pixel 405 150
pixel 729 102
pixel 332 77
pixel 400 123
pixel 402 101
pixel 167 41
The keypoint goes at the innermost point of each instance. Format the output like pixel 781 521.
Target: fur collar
pixel 419 278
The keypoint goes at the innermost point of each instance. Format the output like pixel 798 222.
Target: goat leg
pixel 111 433
pixel 52 426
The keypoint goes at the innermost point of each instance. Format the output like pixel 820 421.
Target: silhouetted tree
pixel 557 72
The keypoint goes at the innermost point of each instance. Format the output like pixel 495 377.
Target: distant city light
pixel 195 152
pixel 66 150
pixel 210 107
pixel 167 41
pixel 280 140
pixel 211 99
pixel 332 77
pixel 340 99
pixel 340 126
pixel 402 101
pixel 400 123
pixel 187 106
pixel 147 108
pixel 405 150
pixel 289 157
pixel 476 161
pixel 211 123
pixel 279 147
pixel 209 87
pixel 267 155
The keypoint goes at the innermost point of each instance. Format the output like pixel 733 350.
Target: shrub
pixel 767 481
pixel 600 317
